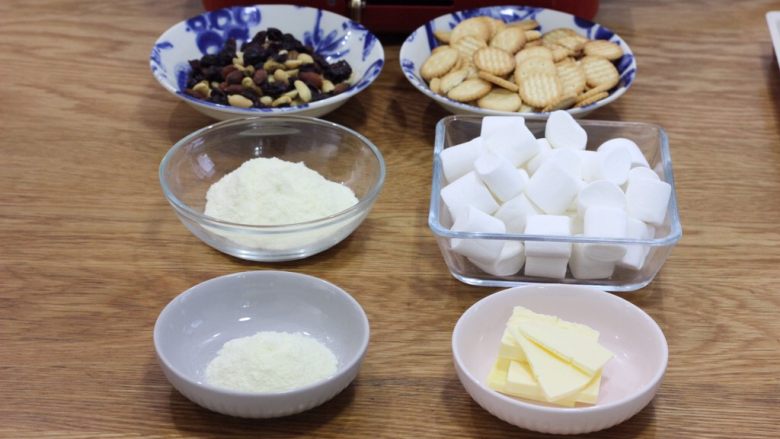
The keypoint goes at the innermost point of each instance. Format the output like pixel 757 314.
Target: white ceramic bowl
pixel 331 35
pixel 418 46
pixel 630 379
pixel 194 326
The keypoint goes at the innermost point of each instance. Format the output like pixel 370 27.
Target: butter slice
pixel 583 352
pixel 498 373
pixel 515 379
pixel 509 349
pixel 520 382
pixel 590 394
pixel 521 313
pixel 557 378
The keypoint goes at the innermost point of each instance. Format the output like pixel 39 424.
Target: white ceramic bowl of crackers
pixel 517 59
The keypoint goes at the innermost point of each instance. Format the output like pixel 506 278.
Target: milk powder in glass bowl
pixel 337 153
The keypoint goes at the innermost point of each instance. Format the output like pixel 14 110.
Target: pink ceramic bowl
pixel 630 379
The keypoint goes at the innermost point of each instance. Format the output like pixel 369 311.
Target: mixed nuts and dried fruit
pixel 273 69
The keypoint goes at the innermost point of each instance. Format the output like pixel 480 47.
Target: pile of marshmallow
pixel 508 181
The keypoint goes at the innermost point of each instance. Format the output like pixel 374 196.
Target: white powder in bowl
pixel 270 191
pixel 272 362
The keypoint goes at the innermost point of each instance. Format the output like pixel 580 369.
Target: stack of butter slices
pixel 543 358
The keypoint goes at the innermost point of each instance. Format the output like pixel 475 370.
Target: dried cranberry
pixel 322 62
pixel 212 73
pixel 273 89
pixel 194 79
pixel 225 57
pixel 338 72
pixel 280 57
pixel 290 43
pixel 254 55
pixel 311 67
pixel 230 45
pixel 208 60
pixel 259 38
pixel 274 34
pixel 218 97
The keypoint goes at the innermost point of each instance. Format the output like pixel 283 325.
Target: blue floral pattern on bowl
pixel 419 44
pixel 331 35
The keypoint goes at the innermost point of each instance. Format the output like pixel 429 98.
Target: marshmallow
pixel 515 212
pixel 541 266
pixel 504 180
pixel 547 259
pixel 468 191
pixel 600 193
pixel 584 267
pixel 568 159
pixel 509 262
pixel 537 160
pixel 589 167
pixel 605 222
pixel 474 220
pixel 562 131
pixel 556 225
pixel 508 137
pixel 637 158
pixel 637 253
pixel 613 164
pixel 642 172
pixel 458 160
pixel 552 189
pixel 648 199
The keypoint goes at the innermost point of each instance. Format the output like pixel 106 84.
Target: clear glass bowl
pixel 339 154
pixel 651 139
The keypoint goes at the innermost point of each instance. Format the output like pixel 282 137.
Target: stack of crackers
pixel 514 67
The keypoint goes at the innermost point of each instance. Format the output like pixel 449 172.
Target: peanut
pixel 239 101
pixel 305 58
pixel 303 91
pixel 282 100
pixel 202 88
pixel 327 86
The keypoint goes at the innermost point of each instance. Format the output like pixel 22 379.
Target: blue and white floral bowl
pixel 331 35
pixel 418 46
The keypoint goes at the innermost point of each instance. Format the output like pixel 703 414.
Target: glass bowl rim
pixel 434 223
pixel 184 209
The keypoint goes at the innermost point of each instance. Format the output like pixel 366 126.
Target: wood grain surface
pixel 91 251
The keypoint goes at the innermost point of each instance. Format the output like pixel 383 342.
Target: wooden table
pixel 92 252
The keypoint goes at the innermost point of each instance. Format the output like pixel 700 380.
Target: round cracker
pixel 555 35
pixel 592 99
pixel 532 35
pixel 509 40
pixel 468 45
pixel 452 79
pixel 442 35
pixel 439 63
pixel 493 24
pixel 603 48
pixel 525 24
pixel 499 81
pixel 572 77
pixel 469 90
pixel 500 100
pixel 529 52
pixel 435 85
pixel 599 72
pixel 534 65
pixel 475 26
pixel 540 89
pixel 494 61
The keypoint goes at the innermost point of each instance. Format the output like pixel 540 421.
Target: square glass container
pixel 654 144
